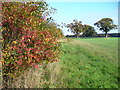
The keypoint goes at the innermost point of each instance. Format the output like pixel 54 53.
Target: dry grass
pixel 63 40
pixel 0 74
pixel 46 76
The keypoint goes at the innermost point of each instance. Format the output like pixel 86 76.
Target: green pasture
pixel 89 63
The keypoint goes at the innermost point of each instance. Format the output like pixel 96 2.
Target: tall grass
pixel 46 76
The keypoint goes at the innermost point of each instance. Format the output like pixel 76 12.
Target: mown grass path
pixel 90 63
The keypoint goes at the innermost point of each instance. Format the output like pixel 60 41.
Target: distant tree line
pixel 105 25
pixel 98 35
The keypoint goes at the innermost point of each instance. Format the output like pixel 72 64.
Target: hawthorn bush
pixel 26 40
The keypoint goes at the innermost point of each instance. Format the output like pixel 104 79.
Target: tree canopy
pixel 89 31
pixel 105 24
pixel 76 27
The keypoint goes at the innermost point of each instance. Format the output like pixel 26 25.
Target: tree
pixel 89 31
pixel 106 24
pixel 76 27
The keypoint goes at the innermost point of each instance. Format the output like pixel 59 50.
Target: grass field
pixel 90 63
pixel 85 63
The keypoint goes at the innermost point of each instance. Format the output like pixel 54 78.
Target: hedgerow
pixel 26 40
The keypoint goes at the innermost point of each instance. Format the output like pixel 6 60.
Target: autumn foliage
pixel 26 40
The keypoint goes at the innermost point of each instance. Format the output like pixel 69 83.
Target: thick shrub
pixel 26 42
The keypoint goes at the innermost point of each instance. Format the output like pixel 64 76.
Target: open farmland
pixel 90 63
